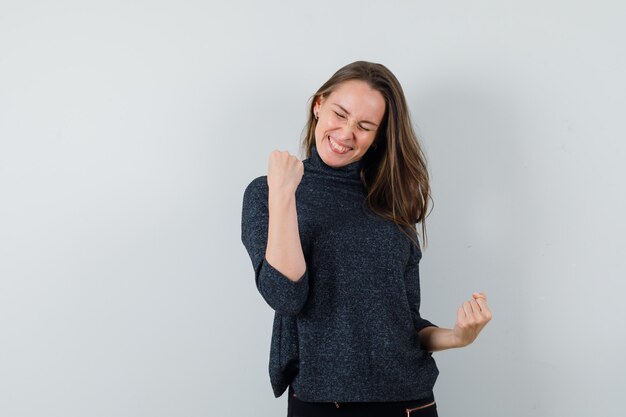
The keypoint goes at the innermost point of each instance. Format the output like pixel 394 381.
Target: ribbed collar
pixel 350 171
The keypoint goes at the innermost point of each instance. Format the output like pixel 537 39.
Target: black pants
pixel 419 408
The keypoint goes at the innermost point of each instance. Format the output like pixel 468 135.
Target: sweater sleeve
pixel 412 283
pixel 285 296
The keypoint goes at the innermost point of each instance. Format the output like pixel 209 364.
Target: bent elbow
pixel 285 296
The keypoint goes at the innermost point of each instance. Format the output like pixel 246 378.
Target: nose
pixel 348 129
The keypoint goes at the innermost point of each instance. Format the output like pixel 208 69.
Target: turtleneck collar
pixel 349 171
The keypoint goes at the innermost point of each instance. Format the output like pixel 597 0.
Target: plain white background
pixel 130 129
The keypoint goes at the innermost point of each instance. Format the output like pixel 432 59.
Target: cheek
pixel 323 126
pixel 319 131
pixel 367 137
pixel 329 123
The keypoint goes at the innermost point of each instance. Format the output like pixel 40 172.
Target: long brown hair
pixel 394 170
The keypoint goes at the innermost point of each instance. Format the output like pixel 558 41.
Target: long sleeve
pixel 285 296
pixel 412 283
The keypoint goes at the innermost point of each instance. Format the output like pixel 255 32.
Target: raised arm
pixel 269 232
pixel 284 249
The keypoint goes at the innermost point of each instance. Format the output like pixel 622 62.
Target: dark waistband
pixel 391 405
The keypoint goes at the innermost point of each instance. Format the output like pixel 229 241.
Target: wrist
pixel 436 338
pixel 451 340
pixel 281 194
pixel 459 340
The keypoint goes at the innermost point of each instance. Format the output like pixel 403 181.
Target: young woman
pixel 335 251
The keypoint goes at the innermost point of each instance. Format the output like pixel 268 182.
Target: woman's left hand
pixel 471 317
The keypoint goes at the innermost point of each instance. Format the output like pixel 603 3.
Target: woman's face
pixel 348 120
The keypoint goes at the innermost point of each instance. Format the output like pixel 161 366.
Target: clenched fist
pixel 284 172
pixel 472 316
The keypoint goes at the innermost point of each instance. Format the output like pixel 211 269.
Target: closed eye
pixel 341 116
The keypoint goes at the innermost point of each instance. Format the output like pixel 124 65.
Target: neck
pixel 349 171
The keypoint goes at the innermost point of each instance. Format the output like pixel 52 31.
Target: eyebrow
pixel 347 112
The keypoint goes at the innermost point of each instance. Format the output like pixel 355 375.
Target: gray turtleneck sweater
pixel 346 331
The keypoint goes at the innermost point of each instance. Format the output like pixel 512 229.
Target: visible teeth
pixel 338 146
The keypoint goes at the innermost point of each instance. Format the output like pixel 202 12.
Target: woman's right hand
pixel 284 172
pixel 284 246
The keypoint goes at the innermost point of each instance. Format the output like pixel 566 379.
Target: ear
pixel 319 100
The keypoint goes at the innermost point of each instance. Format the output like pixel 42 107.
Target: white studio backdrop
pixel 130 129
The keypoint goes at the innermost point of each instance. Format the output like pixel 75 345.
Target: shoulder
pixel 257 184
pixel 257 188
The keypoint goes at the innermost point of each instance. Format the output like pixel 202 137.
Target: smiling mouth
pixel 337 147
